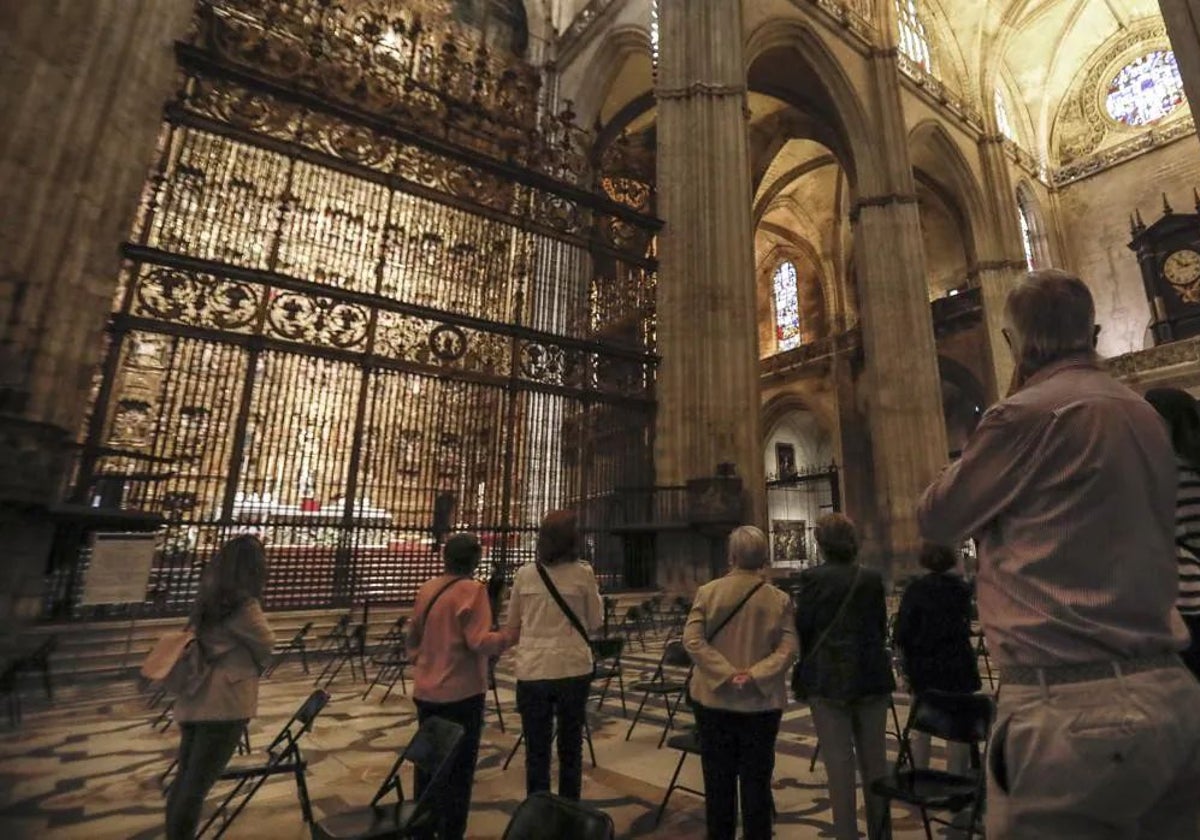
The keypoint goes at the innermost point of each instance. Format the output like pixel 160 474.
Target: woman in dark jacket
pixel 845 675
pixel 933 633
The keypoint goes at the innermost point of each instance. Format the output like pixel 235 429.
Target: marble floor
pixel 88 766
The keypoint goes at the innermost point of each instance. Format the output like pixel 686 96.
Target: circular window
pixel 1145 90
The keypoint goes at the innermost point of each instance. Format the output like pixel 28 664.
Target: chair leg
pixel 587 734
pixel 637 715
pixel 304 658
pixel 812 765
pixel 499 711
pixel 671 710
pixel 621 687
pixel 670 789
pixel 928 827
pixel 512 753
pixel 302 792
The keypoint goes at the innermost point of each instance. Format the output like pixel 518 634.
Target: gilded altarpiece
pixel 372 266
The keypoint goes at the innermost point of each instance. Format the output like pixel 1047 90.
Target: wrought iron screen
pixel 370 270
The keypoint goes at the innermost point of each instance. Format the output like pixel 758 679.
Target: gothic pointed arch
pixel 787 59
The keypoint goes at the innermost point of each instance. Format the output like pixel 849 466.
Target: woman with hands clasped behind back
pixel 741 635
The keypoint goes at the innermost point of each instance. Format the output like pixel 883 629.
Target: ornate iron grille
pixel 369 279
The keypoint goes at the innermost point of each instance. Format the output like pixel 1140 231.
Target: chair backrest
pixel 546 815
pixel 675 655
pixel 965 718
pixel 608 648
pixel 299 723
pixel 357 640
pixel 431 751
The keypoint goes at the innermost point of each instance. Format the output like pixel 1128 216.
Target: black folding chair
pixel 296 644
pixel 633 625
pixel 669 685
pixel 545 815
pixel 283 756
pixel 353 650
pixel 688 743
pixel 39 660
pixel 331 642
pixel 390 662
pixel 243 748
pixel 432 752
pixel 961 718
pixel 587 737
pixel 607 654
pixel 9 687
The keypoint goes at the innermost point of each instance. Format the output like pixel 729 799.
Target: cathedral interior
pixel 353 274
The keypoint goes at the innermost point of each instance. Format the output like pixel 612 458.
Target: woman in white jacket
pixel 236 639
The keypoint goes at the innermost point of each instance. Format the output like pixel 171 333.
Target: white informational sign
pixel 119 571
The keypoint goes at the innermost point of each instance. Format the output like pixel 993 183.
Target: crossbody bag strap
pixel 735 611
pixel 425 616
pixel 837 617
pixel 562 605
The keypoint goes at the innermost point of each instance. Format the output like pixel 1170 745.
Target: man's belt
pixel 1084 671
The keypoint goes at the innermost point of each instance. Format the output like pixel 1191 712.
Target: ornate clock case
pixel 1168 254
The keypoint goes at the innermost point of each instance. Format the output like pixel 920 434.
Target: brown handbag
pixel 178 663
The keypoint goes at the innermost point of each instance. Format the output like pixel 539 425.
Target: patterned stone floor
pixel 88 766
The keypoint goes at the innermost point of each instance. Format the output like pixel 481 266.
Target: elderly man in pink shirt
pixel 1068 486
pixel 450 635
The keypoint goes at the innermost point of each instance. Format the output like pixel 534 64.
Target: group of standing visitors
pixel 1085 507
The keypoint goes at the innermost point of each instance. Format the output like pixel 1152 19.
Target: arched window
pixel 1033 233
pixel 1145 90
pixel 654 32
pixel 787 307
pixel 914 43
pixel 1002 120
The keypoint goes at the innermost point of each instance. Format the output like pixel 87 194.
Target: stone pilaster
pixel 82 87
pixel 1002 261
pixel 708 382
pixel 908 434
pixel 1183 28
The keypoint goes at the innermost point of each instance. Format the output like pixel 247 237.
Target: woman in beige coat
pixel 236 640
pixel 741 635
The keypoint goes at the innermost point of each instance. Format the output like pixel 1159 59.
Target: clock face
pixel 1182 268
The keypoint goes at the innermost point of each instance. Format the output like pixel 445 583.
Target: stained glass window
pixel 914 43
pixel 1145 90
pixel 787 308
pixel 1002 120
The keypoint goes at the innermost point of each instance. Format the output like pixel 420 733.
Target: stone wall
pixel 1094 220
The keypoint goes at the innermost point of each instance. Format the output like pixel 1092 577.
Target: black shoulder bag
pixel 810 656
pixel 709 637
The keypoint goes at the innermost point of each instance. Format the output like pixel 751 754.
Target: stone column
pixel 82 87
pixel 708 382
pixel 1183 28
pixel 908 433
pixel 1002 259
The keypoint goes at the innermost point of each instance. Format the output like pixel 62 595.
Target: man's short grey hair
pixel 1053 316
pixel 748 548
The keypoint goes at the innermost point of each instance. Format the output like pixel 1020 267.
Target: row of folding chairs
pixel 389 813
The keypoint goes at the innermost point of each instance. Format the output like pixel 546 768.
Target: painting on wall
pixel 788 536
pixel 785 460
